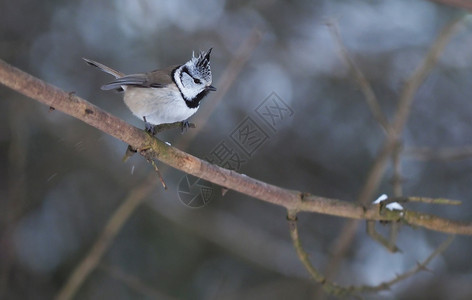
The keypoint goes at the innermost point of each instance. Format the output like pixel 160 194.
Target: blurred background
pixel 62 180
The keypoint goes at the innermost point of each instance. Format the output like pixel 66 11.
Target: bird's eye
pixel 197 81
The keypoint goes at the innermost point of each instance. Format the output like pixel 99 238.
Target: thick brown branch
pixel 292 200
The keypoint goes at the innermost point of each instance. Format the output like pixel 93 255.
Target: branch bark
pixel 293 201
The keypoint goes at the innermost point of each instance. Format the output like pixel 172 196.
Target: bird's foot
pixel 151 129
pixel 185 126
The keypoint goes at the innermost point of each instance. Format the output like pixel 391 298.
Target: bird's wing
pixel 133 79
pixel 154 79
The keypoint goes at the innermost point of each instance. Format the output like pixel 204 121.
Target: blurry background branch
pixel 392 143
pixel 364 84
pixel 464 4
pixel 113 226
pixel 441 154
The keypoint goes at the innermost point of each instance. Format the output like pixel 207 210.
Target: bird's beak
pixel 211 88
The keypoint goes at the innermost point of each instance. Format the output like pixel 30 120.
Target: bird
pixel 162 96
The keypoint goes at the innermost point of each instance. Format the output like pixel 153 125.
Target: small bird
pixel 165 95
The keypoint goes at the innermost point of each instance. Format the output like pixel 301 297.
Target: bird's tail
pixel 104 68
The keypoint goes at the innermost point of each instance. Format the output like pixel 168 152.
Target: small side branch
pixel 149 158
pixel 338 290
pixel 389 244
pixel 441 201
pixel 328 287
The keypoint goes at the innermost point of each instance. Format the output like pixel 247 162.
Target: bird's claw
pixel 151 129
pixel 185 126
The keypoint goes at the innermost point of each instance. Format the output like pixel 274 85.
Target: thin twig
pixel 417 78
pixel 397 178
pixel 419 267
pixel 148 156
pixel 389 244
pixel 442 201
pixel 393 234
pixel 397 182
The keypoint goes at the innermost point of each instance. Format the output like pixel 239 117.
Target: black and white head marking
pixel 194 79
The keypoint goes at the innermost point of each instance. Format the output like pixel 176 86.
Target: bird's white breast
pixel 158 105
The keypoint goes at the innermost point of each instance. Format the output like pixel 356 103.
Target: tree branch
pixel 293 201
